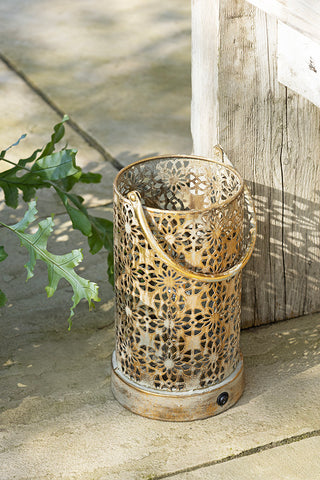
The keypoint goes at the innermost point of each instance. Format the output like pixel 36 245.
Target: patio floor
pixel 121 70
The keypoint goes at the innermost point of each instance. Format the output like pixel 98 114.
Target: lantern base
pixel 177 406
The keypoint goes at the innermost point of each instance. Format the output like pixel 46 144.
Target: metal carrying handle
pixel 134 198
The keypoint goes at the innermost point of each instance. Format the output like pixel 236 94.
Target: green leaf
pixel 110 270
pixel 10 193
pixel 106 226
pixel 90 177
pixel 95 241
pixel 56 166
pixel 58 134
pixel 28 192
pixel 3 298
pixel 67 183
pixel 27 183
pixel 79 218
pixel 98 230
pixel 102 236
pixel 23 162
pixel 3 254
pixel 29 217
pixel 59 266
pixel 77 201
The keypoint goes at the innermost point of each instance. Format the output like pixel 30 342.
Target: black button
pixel 223 398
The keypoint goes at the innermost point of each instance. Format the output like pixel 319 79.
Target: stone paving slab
pixel 60 421
pixel 297 461
pixel 26 113
pixel 120 69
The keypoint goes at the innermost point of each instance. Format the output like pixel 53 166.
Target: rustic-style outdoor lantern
pixel 184 227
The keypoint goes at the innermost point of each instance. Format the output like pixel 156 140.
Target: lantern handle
pixel 134 198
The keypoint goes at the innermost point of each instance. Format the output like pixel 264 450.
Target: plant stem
pixel 15 164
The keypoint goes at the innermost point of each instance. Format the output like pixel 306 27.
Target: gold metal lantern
pixel 184 227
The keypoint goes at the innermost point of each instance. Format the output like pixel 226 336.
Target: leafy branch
pixel 47 168
pixel 59 266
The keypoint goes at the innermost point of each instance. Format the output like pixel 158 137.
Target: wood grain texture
pixel 205 44
pixel 272 136
pixel 299 63
pixel 303 15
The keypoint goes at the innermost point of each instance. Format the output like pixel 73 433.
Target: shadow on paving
pixel 125 87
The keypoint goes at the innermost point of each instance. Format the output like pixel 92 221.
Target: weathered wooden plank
pixel 303 15
pixel 299 63
pixel 205 44
pixel 272 135
pixel 301 167
pixel 251 133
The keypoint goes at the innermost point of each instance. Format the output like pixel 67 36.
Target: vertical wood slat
pixel 204 76
pixel 272 136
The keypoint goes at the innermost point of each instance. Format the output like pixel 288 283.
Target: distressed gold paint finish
pixel 177 406
pixel 179 250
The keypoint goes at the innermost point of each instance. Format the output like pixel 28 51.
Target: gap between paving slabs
pixel 244 453
pixel 91 141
